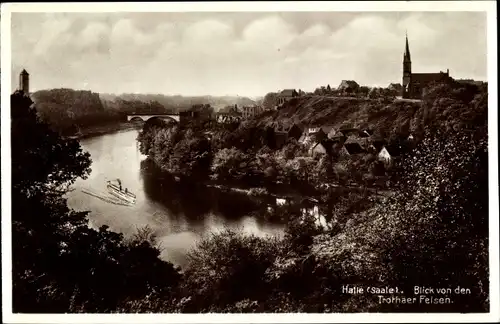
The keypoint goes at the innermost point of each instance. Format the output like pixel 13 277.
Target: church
pixel 415 83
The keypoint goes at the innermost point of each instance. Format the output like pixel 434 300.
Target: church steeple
pixel 407 57
pixel 406 69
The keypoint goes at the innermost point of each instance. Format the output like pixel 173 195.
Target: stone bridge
pixel 146 117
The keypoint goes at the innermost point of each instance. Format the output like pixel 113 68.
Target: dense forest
pixel 433 231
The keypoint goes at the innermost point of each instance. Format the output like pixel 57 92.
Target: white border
pixel 488 6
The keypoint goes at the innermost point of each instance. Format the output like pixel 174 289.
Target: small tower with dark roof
pixel 24 82
pixel 406 70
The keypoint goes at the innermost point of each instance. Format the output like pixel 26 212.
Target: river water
pixel 178 214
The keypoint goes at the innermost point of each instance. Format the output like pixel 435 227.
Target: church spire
pixel 407 50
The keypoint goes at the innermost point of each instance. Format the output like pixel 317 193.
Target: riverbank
pixel 104 129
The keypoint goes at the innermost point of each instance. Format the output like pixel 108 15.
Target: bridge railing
pixel 153 114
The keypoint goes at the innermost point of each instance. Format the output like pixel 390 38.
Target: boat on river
pixel 106 197
pixel 115 188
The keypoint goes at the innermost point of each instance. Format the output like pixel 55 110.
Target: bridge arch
pixel 164 118
pixel 136 119
pixel 145 117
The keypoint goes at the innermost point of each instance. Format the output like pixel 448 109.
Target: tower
pixel 406 70
pixel 24 82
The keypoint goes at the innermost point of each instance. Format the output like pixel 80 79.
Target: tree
pixel 270 100
pixel 226 268
pixel 324 169
pixel 60 264
pixel 291 149
pixel 363 90
pixel 44 162
pixel 449 186
pixel 191 157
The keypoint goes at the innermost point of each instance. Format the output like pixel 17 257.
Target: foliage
pixel 449 215
pixel 436 224
pixel 229 164
pixel 191 157
pixel 270 100
pixel 227 267
pixel 432 231
pixel 60 264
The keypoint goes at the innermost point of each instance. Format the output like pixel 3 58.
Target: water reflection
pixel 179 213
pixel 197 205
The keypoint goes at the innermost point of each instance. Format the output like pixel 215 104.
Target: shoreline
pixel 104 129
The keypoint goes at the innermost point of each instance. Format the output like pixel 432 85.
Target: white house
pixel 384 156
pixel 317 148
pixel 280 201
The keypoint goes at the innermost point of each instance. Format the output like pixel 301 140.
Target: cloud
pixel 246 54
pixel 53 33
pixel 271 31
pixel 320 30
pixel 208 31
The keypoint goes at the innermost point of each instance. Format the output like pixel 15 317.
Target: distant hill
pixel 179 102
pixel 69 111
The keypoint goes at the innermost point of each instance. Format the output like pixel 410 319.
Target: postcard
pixel 249 162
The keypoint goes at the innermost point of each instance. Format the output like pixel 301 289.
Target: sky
pixel 240 53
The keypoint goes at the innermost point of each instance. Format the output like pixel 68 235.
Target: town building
pixel 319 148
pixel 395 87
pixel 312 135
pixel 349 132
pixel 229 114
pixel 384 156
pixel 286 95
pixel 251 111
pixel 415 83
pixel 202 113
pixel 327 130
pixel 354 146
pixel 292 131
pixel 348 86
pixel 280 139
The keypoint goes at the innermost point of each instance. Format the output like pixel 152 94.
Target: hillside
pixel 345 112
pixel 67 109
pixel 448 107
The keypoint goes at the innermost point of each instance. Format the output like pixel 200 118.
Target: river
pixel 178 214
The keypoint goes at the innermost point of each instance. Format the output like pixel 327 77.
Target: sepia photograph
pixel 269 158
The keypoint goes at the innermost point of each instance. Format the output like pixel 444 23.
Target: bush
pixel 227 267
